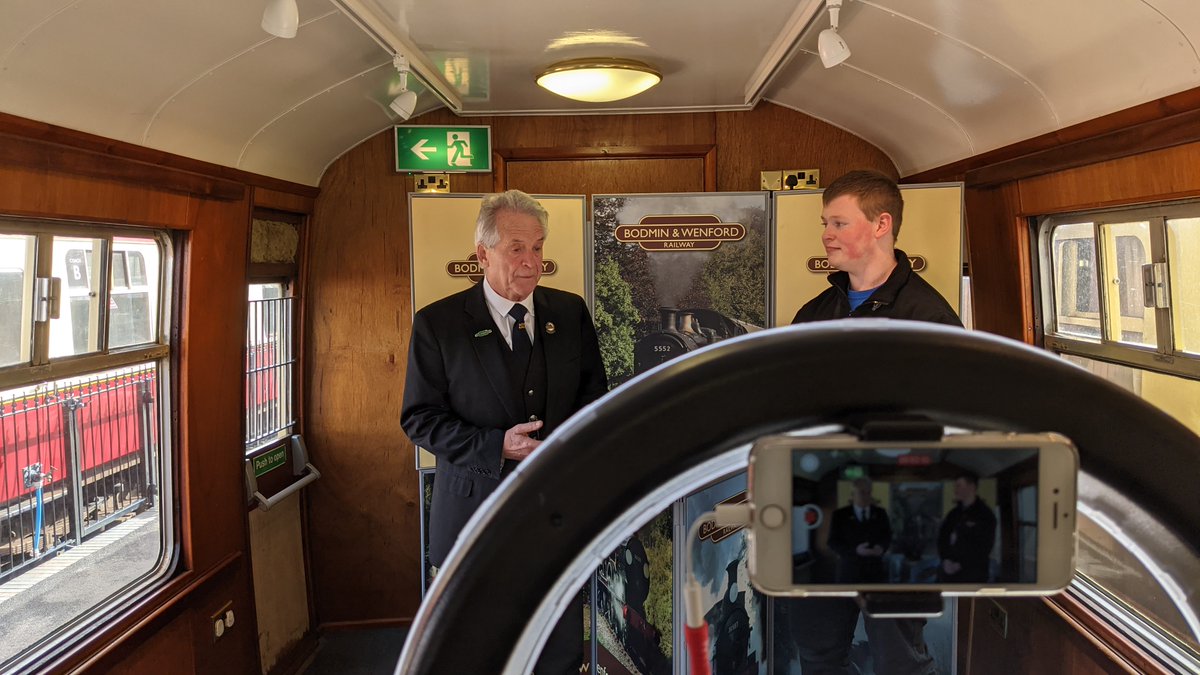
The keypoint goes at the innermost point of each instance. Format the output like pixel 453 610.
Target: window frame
pixel 41 368
pixel 1164 357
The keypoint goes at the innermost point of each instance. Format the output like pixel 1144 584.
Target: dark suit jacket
pixel 846 532
pixel 458 398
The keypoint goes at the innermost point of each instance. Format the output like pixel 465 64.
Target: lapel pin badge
pixel 550 328
pixel 484 333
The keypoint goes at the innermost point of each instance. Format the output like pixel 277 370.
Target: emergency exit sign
pixel 429 149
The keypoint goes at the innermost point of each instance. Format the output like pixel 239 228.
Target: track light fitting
pixel 281 18
pixel 830 45
pixel 406 102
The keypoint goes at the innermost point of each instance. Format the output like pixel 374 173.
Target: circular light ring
pixel 599 80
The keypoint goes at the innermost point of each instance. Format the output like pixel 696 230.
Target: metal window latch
pixel 1154 285
pixel 47 294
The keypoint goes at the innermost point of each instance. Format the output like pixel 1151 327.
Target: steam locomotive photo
pixel 684 330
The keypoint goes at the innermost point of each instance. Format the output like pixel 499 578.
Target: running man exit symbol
pixel 437 149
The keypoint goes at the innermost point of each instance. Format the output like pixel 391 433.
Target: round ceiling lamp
pixel 599 80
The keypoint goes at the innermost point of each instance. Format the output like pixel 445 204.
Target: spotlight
pixel 406 102
pixel 832 48
pixel 281 18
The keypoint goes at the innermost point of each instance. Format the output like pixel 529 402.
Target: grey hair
pixel 487 233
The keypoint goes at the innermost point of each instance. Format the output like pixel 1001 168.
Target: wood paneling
pixel 607 176
pixel 1037 641
pixel 998 245
pixel 772 137
pixel 364 537
pixel 91 179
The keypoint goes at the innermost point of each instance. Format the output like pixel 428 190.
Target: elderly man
pixel 491 371
pixel 860 533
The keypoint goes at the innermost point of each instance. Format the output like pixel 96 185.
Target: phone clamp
pixel 900 604
pixel 898 427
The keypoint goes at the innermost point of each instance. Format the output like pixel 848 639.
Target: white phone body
pixel 779 462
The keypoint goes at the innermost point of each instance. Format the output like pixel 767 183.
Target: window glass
pixel 133 307
pixel 269 365
pixel 1183 259
pixel 16 297
pixel 1126 249
pixel 1076 299
pixel 1102 557
pixel 83 458
pixel 77 328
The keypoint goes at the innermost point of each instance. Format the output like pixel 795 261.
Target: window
pixel 1121 298
pixel 270 365
pixel 1124 286
pixel 84 457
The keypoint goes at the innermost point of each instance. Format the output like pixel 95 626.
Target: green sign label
pixel 270 461
pixel 426 149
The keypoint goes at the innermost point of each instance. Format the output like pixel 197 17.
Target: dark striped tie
pixel 521 346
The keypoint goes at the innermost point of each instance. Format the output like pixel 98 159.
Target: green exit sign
pixel 430 149
pixel 270 461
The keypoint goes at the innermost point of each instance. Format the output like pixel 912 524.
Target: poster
pixel 930 233
pixel 736 614
pixel 674 273
pixel 634 599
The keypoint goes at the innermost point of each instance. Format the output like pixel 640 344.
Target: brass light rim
pixel 613 63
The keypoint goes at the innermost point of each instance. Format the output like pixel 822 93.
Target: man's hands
pixel 517 443
pixel 951 567
pixel 867 551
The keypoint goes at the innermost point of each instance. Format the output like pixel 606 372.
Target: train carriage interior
pixel 206 317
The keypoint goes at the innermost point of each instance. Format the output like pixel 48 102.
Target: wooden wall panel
pixel 1037 641
pixel 363 511
pixel 364 535
pixel 607 176
pixel 772 137
pixel 998 242
pixel 93 183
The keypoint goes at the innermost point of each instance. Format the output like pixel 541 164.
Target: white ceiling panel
pixel 223 109
pixel 911 131
pixel 1090 57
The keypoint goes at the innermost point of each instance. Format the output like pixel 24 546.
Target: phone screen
pixel 897 515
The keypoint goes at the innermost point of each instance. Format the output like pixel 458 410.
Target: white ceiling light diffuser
pixel 599 80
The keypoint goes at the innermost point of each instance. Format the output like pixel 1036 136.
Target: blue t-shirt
pixel 859 297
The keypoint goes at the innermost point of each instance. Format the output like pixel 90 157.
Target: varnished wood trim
pixel 602 152
pixel 365 624
pixel 710 170
pixel 40 156
pixel 499 172
pixel 271 270
pixel 12 126
pixel 266 198
pixel 156 609
pixel 1171 120
pixel 1103 635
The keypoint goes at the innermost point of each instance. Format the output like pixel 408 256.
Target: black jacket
pixel 459 398
pixel 966 537
pixel 846 532
pixel 905 295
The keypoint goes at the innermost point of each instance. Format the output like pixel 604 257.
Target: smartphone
pixel 971 514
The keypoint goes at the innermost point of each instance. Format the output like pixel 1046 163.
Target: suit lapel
pixel 490 349
pixel 557 349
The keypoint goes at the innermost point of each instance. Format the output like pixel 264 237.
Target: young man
pixel 967 535
pixel 491 371
pixel 861 218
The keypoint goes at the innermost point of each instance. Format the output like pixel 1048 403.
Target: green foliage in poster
pixel 736 278
pixel 656 537
pixel 615 318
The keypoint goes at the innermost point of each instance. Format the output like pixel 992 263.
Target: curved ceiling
pixel 928 81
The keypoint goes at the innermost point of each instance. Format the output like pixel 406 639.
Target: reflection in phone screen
pixel 915 516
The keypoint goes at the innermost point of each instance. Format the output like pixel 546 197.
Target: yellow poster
pixel 442 250
pixel 931 232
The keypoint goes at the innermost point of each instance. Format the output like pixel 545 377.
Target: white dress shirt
pixel 498 307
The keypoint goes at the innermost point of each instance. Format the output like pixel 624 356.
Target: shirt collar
pixel 500 305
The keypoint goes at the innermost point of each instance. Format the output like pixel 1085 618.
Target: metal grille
pixel 77 456
pixel 270 371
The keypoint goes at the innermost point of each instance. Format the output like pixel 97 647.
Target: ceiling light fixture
pixel 832 48
pixel 406 102
pixel 281 18
pixel 599 80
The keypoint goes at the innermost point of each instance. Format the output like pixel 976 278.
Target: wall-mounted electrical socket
pixel 432 182
pixel 801 179
pixel 770 180
pixel 222 620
